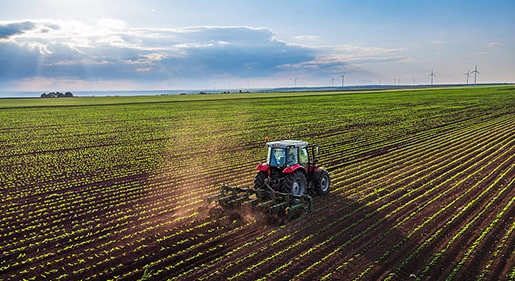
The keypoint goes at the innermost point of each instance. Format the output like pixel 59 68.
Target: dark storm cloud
pixel 10 29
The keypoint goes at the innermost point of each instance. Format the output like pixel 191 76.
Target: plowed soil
pixel 430 205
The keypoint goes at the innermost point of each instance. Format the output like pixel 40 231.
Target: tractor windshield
pixel 278 157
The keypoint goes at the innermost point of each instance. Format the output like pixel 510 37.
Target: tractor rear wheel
pixel 322 182
pixel 295 183
pixel 259 181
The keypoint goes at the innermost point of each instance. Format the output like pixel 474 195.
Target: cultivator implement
pixel 276 204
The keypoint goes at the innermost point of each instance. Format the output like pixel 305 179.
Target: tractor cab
pixel 287 153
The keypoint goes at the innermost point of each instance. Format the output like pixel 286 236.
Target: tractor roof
pixel 287 143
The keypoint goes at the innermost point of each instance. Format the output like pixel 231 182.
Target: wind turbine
pixel 379 81
pixel 332 81
pixel 468 75
pixel 475 74
pixel 394 80
pixel 432 75
pixel 413 79
pixel 343 78
pixel 295 82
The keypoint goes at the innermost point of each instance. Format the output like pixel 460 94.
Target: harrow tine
pixel 226 198
pixel 280 205
pixel 266 204
pixel 240 199
pixel 252 201
pixel 296 207
pixel 213 198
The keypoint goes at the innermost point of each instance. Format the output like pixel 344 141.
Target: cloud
pixel 110 51
pixel 10 29
pixel 306 37
pixel 495 45
pixel 337 59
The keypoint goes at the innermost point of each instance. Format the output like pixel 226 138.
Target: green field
pixel 102 188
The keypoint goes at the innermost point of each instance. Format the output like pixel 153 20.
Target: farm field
pixel 422 187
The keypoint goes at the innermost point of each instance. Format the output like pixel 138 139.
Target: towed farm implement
pixel 284 184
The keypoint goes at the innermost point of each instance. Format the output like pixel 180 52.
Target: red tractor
pixel 291 167
pixel 284 183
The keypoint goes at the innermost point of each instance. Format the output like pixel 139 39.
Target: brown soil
pixel 368 227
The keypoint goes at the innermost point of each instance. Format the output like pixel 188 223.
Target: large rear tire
pixel 322 182
pixel 259 181
pixel 295 183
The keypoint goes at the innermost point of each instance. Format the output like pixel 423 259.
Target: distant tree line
pixel 225 92
pixel 57 95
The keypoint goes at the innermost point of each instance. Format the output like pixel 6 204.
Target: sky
pixel 62 45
